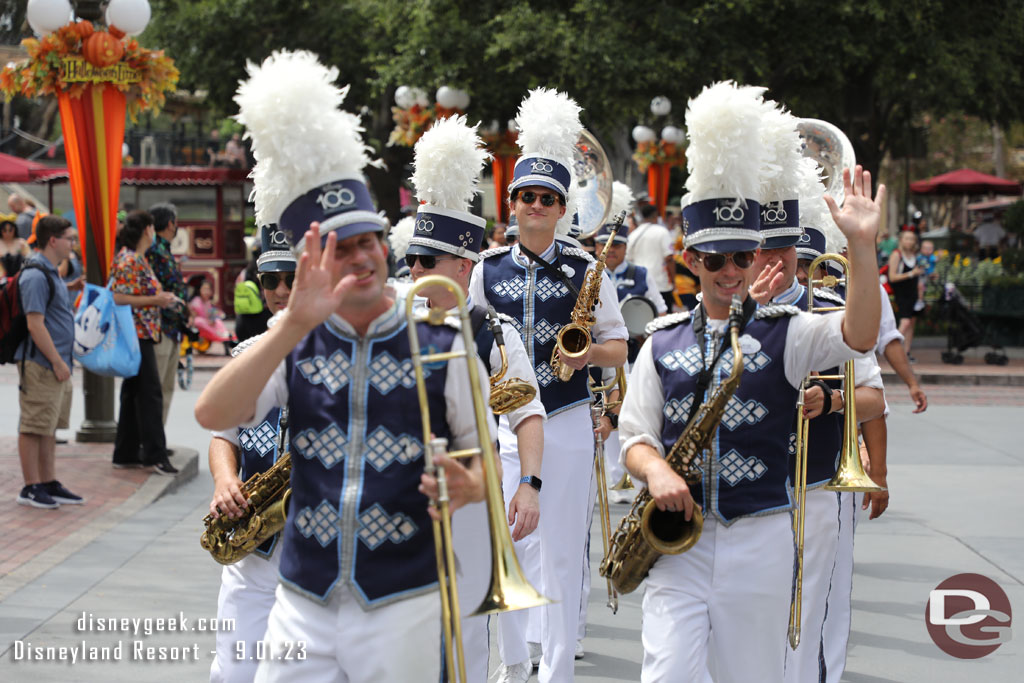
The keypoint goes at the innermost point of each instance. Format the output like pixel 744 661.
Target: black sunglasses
pixel 428 261
pixel 715 262
pixel 270 281
pixel 546 199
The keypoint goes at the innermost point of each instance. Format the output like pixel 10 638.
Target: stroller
pixel 964 330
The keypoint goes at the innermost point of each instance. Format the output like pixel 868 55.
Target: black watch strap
pixel 533 481
pixel 614 419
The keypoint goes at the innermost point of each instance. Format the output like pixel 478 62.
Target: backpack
pixel 247 299
pixel 13 323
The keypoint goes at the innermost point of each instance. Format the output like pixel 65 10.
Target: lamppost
pixel 657 157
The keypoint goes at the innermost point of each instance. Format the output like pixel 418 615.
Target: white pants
pixel 723 603
pixel 344 644
pixel 598 547
pixel 613 468
pixel 821 541
pixel 471 537
pixel 246 595
pixel 835 635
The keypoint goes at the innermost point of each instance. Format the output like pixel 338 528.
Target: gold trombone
pixel 601 474
pixel 850 475
pixel 509 590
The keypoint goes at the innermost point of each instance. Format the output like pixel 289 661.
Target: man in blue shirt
pixel 44 368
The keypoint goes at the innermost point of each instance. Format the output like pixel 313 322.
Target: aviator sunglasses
pixel 546 199
pixel 715 262
pixel 428 261
pixel 270 281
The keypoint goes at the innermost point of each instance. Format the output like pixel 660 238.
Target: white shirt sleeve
pixel 641 418
pixel 666 243
pixel 887 331
pixel 476 285
pixel 459 401
pixel 866 372
pixel 518 366
pixel 815 342
pixel 274 394
pixel 609 324
pixel 229 435
pixel 654 295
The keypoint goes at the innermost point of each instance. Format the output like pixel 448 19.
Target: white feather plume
pixel 447 164
pixel 814 212
pixel 300 139
pixel 549 124
pixel 400 235
pixel 564 225
pixel 622 199
pixel 724 154
pixel 780 174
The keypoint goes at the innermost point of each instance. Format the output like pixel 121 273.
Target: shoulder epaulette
pixel 666 321
pixel 775 311
pixel 578 253
pixel 496 251
pixel 451 318
pixel 243 346
pixel 829 295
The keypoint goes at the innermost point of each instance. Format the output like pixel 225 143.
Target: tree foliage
pixel 873 67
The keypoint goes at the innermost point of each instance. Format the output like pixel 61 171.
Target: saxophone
pixel 268 493
pixel 573 339
pixel 646 532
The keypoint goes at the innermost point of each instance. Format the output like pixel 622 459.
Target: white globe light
pixel 661 106
pixel 672 134
pixel 643 134
pixel 447 97
pixel 130 16
pixel 513 126
pixel 404 97
pixel 46 16
pixel 463 102
pixel 420 97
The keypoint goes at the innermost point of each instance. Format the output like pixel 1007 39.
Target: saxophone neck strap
pixel 552 267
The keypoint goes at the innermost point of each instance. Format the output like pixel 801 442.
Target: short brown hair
pixel 50 226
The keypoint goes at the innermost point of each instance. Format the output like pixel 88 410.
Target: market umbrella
pixel 966 181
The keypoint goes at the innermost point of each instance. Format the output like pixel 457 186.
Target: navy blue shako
pixel 356 515
pixel 747 469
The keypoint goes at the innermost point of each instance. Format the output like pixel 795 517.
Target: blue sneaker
pixel 36 496
pixel 61 494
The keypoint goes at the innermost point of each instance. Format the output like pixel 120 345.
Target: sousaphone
pixel 593 184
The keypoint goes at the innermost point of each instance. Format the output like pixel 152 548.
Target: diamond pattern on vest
pixel 751 362
pixel 738 412
pixel 383 448
pixel 689 360
pixel 545 375
pixel 543 331
pixel 735 468
pixel 332 372
pixel 509 289
pixel 677 410
pixel 377 526
pixel 322 523
pixel 792 444
pixel 547 289
pixel 327 445
pixel 386 373
pixel 259 439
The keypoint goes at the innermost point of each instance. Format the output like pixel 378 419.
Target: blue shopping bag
pixel 105 339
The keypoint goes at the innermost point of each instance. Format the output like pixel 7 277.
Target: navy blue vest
pixel 258 446
pixel 540 304
pixel 356 515
pixel 632 281
pixel 747 470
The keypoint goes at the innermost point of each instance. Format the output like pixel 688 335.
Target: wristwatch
pixel 614 419
pixel 533 481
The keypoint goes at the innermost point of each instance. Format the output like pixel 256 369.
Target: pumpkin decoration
pixel 102 49
pixel 83 29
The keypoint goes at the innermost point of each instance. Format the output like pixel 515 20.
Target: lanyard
pixel 704 378
pixel 552 268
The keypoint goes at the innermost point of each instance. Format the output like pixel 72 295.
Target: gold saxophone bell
pixel 513 393
pixel 508 590
pixel 850 475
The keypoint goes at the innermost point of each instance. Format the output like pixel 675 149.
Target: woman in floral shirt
pixel 141 417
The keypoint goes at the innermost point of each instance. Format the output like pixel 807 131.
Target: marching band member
pixel 446 241
pixel 247 587
pixel 535 282
pixel 358 569
pixel 824 401
pixel 701 603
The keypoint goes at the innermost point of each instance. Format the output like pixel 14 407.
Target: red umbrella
pixel 965 181
pixel 17 170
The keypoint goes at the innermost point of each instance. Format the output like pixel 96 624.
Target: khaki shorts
pixel 45 403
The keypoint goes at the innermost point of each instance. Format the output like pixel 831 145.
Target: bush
pixel 1013 219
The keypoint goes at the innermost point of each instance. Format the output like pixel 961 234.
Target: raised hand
pixel 768 284
pixel 318 288
pixel 860 215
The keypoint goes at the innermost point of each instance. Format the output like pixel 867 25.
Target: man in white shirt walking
pixel 650 246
